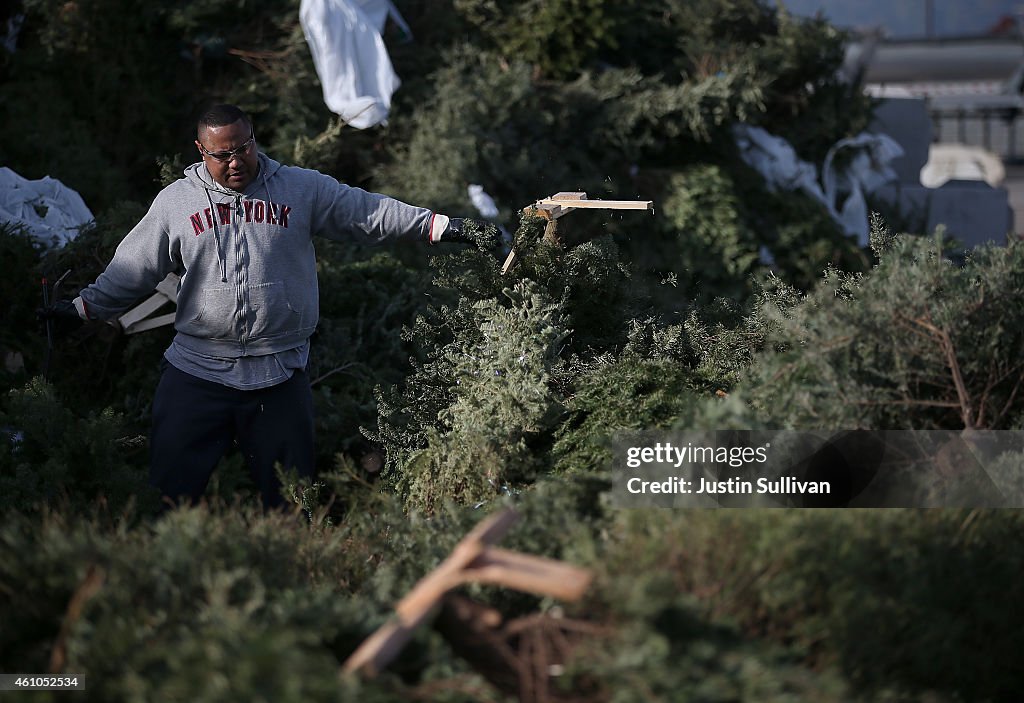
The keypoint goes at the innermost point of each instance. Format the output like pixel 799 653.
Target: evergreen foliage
pixel 920 343
pixel 49 454
pixel 220 602
pixel 887 596
pixel 20 296
pixel 370 296
pixel 558 37
pixel 501 400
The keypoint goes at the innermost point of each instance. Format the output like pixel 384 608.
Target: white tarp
pixel 378 11
pixel 488 210
pixel 483 202
pixel 350 57
pixel 51 212
pixel 868 168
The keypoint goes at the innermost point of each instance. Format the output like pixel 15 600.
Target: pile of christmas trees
pixel 447 389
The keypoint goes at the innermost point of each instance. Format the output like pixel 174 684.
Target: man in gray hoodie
pixel 238 229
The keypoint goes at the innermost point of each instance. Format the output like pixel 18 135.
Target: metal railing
pixel 996 129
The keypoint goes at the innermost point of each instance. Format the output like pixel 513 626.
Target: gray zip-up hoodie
pixel 246 260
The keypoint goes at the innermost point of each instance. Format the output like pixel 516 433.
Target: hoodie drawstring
pixel 221 255
pixel 216 234
pixel 270 198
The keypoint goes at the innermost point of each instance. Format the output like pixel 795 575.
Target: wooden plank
pixel 547 212
pixel 169 287
pixel 143 310
pixel 151 323
pixel 561 204
pixel 379 649
pixel 473 559
pixel 509 260
pixel 166 291
pixel 383 645
pixel 554 211
pixel 525 572
pixel 601 204
pixel 429 590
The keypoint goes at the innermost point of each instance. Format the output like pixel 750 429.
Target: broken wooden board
pixel 137 319
pixel 599 204
pixel 561 204
pixel 474 559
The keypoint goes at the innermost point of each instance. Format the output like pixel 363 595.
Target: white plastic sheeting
pixel 488 210
pixel 51 212
pixel 378 11
pixel 867 168
pixel 344 37
pixel 483 202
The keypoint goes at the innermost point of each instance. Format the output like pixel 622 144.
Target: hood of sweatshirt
pixel 198 175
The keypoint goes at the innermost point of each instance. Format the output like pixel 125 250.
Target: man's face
pixel 237 170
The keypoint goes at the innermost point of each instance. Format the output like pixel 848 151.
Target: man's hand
pixel 486 236
pixel 62 314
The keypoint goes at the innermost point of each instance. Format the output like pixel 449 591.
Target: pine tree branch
pixel 910 401
pixel 1013 396
pixel 89 587
pixel 948 350
pixel 338 369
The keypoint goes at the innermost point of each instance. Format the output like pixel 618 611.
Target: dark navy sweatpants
pixel 195 423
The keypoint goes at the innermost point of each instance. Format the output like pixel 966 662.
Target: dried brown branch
pixel 910 402
pixel 88 588
pixel 948 349
pixel 836 343
pixel 344 367
pixel 268 62
pixel 1009 401
pixel 993 381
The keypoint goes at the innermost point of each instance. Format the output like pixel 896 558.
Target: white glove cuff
pixel 438 226
pixel 80 307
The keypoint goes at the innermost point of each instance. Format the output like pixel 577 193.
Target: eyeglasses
pixel 225 156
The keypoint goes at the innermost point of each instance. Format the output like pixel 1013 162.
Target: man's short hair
pixel 222 116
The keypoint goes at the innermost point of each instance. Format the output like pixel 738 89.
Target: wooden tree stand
pixel 137 319
pixel 561 204
pixel 510 656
